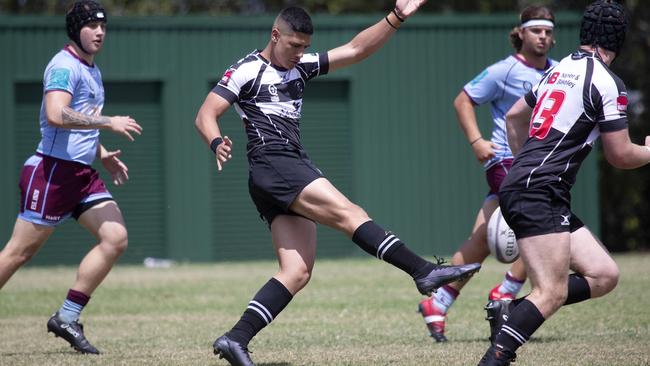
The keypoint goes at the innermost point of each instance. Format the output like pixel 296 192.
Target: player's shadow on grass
pixel 25 353
pixel 545 339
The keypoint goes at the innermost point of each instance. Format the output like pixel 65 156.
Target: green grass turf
pixel 354 312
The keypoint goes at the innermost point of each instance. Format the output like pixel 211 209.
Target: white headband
pixel 537 23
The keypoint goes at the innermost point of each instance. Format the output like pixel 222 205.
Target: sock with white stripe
pixel 386 246
pixel 72 306
pixel 269 301
pixel 522 323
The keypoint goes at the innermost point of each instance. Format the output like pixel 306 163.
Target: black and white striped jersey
pixel 268 98
pixel 573 103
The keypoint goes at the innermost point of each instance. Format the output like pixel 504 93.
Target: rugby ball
pixel 501 239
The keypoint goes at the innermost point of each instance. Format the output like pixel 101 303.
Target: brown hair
pixel 530 12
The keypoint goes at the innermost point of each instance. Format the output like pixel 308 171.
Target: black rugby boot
pixel 444 274
pixel 498 312
pixel 233 352
pixel 73 333
pixel 496 356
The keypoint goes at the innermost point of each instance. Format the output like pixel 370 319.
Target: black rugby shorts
pixel 538 211
pixel 277 174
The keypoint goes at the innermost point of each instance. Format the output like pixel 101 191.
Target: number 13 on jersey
pixel 544 113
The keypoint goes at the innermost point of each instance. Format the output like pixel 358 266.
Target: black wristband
pixel 475 141
pixel 389 23
pixel 215 143
pixel 397 15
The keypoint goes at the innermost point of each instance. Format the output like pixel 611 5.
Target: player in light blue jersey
pixel 501 85
pixel 58 182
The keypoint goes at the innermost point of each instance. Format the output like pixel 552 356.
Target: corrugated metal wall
pixel 404 159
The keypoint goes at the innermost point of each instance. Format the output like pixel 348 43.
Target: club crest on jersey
pixel 528 85
pixel 621 102
pixel 274 93
pixel 226 77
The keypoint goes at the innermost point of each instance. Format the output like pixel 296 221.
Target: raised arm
pixel 61 115
pixel 207 124
pixel 517 124
pixel 373 38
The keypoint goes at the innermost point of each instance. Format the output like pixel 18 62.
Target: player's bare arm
pixel 517 121
pixel 60 114
pixel 74 119
pixel 373 38
pixel 483 149
pixel 207 125
pixel 623 153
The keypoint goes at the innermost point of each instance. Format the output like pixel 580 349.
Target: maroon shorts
pixel 495 176
pixel 52 190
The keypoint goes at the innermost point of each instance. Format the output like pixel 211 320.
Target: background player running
pixel 59 182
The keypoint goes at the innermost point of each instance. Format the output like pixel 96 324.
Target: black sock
pixel 522 323
pixel 518 301
pixel 579 289
pixel 265 306
pixel 376 241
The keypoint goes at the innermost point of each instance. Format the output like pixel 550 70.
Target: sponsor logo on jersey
pixel 621 102
pixel 290 114
pixel 528 85
pixel 226 77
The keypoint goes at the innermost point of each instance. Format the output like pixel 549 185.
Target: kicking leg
pixel 323 203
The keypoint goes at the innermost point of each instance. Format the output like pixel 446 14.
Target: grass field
pixel 354 312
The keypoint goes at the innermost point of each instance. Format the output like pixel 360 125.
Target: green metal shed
pixel 384 131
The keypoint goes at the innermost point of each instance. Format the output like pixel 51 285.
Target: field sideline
pixel 354 312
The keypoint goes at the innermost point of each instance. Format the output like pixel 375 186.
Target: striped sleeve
pixel 312 65
pixel 612 106
pixel 231 83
